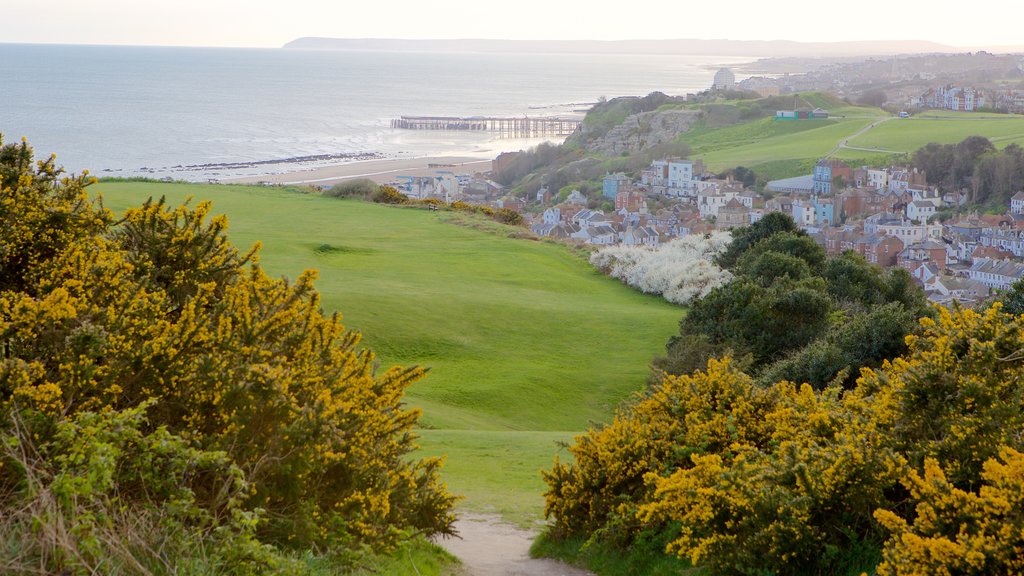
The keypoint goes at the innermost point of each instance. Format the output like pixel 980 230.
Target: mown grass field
pixel 783 148
pixel 944 127
pixel 526 343
pixel 780 148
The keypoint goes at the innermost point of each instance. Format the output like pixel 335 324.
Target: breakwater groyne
pixel 524 127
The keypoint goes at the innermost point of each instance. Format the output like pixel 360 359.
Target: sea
pixel 203 114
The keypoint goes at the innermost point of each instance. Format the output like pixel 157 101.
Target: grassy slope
pixel 778 148
pixel 525 341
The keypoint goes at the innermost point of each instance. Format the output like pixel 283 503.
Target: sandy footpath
pixel 376 170
pixel 489 547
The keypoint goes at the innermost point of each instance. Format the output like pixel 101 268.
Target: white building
pixel 996 274
pixel 711 199
pixel 910 233
pixel 920 211
pixel 552 216
pixel 1017 203
pixel 877 179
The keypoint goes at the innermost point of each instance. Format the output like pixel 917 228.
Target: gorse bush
pixel 158 310
pixel 915 469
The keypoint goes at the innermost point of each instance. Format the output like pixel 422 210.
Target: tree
pixel 747 236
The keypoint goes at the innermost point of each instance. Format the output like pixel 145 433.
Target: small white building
pixel 1017 203
pixel 552 215
pixel 920 211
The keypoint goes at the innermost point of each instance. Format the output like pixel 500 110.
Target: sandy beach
pixel 377 170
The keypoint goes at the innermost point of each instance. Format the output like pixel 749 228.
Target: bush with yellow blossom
pixel 740 478
pixel 158 309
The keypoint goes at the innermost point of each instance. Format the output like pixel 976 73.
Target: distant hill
pixel 754 48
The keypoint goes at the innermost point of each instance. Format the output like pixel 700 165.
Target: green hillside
pixel 776 149
pixel 526 343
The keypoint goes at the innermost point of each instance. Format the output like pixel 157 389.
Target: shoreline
pixel 380 171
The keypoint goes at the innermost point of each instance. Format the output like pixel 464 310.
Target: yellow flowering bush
pixel 783 479
pixel 98 315
pixel 956 531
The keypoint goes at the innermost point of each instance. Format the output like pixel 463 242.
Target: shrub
pixel 161 309
pixel 362 188
pixel 99 493
pixel 389 195
pixel 680 270
pixel 956 531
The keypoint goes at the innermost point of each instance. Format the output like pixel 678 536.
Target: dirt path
pixel 845 141
pixel 490 547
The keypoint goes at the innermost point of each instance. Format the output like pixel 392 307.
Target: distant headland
pixel 758 48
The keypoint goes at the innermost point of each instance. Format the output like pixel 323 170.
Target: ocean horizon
pixel 217 113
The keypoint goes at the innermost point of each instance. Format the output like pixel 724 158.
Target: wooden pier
pixel 524 127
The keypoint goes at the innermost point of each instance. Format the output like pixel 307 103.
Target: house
pixel 925 272
pixel 1006 239
pixel 733 215
pixel 996 274
pixel 946 289
pixel 613 183
pixel 711 200
pixel 560 231
pixel 750 199
pixel 631 200
pixel 655 175
pixel 856 202
pixel 576 197
pixel 599 234
pixel 1017 203
pixel 641 236
pixel 920 211
pixel 552 215
pixel 804 213
pixel 927 252
pixel 824 211
pixel 879 249
pixel 683 173
pixel 827 171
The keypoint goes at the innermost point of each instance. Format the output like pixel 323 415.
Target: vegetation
pixel 162 396
pixel 795 314
pixel 990 176
pixel 512 331
pixel 361 188
pixel 916 468
pixel 679 271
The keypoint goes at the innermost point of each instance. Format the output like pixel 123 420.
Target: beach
pixel 379 171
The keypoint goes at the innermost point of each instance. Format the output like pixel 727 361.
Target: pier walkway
pixel 525 127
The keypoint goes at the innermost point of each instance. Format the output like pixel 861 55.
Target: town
pixel 888 215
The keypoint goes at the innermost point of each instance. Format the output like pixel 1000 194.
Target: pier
pixel 524 127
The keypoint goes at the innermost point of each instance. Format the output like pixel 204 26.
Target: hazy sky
pixel 271 23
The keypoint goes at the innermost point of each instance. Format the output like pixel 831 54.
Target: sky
pixel 272 23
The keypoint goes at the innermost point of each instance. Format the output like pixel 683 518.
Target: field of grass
pixel 525 341
pixel 794 140
pixel 944 127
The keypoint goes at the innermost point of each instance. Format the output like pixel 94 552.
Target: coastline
pixel 380 171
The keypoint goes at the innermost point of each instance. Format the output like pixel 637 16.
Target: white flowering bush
pixel 680 270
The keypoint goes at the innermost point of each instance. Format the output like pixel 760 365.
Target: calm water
pixel 132 110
